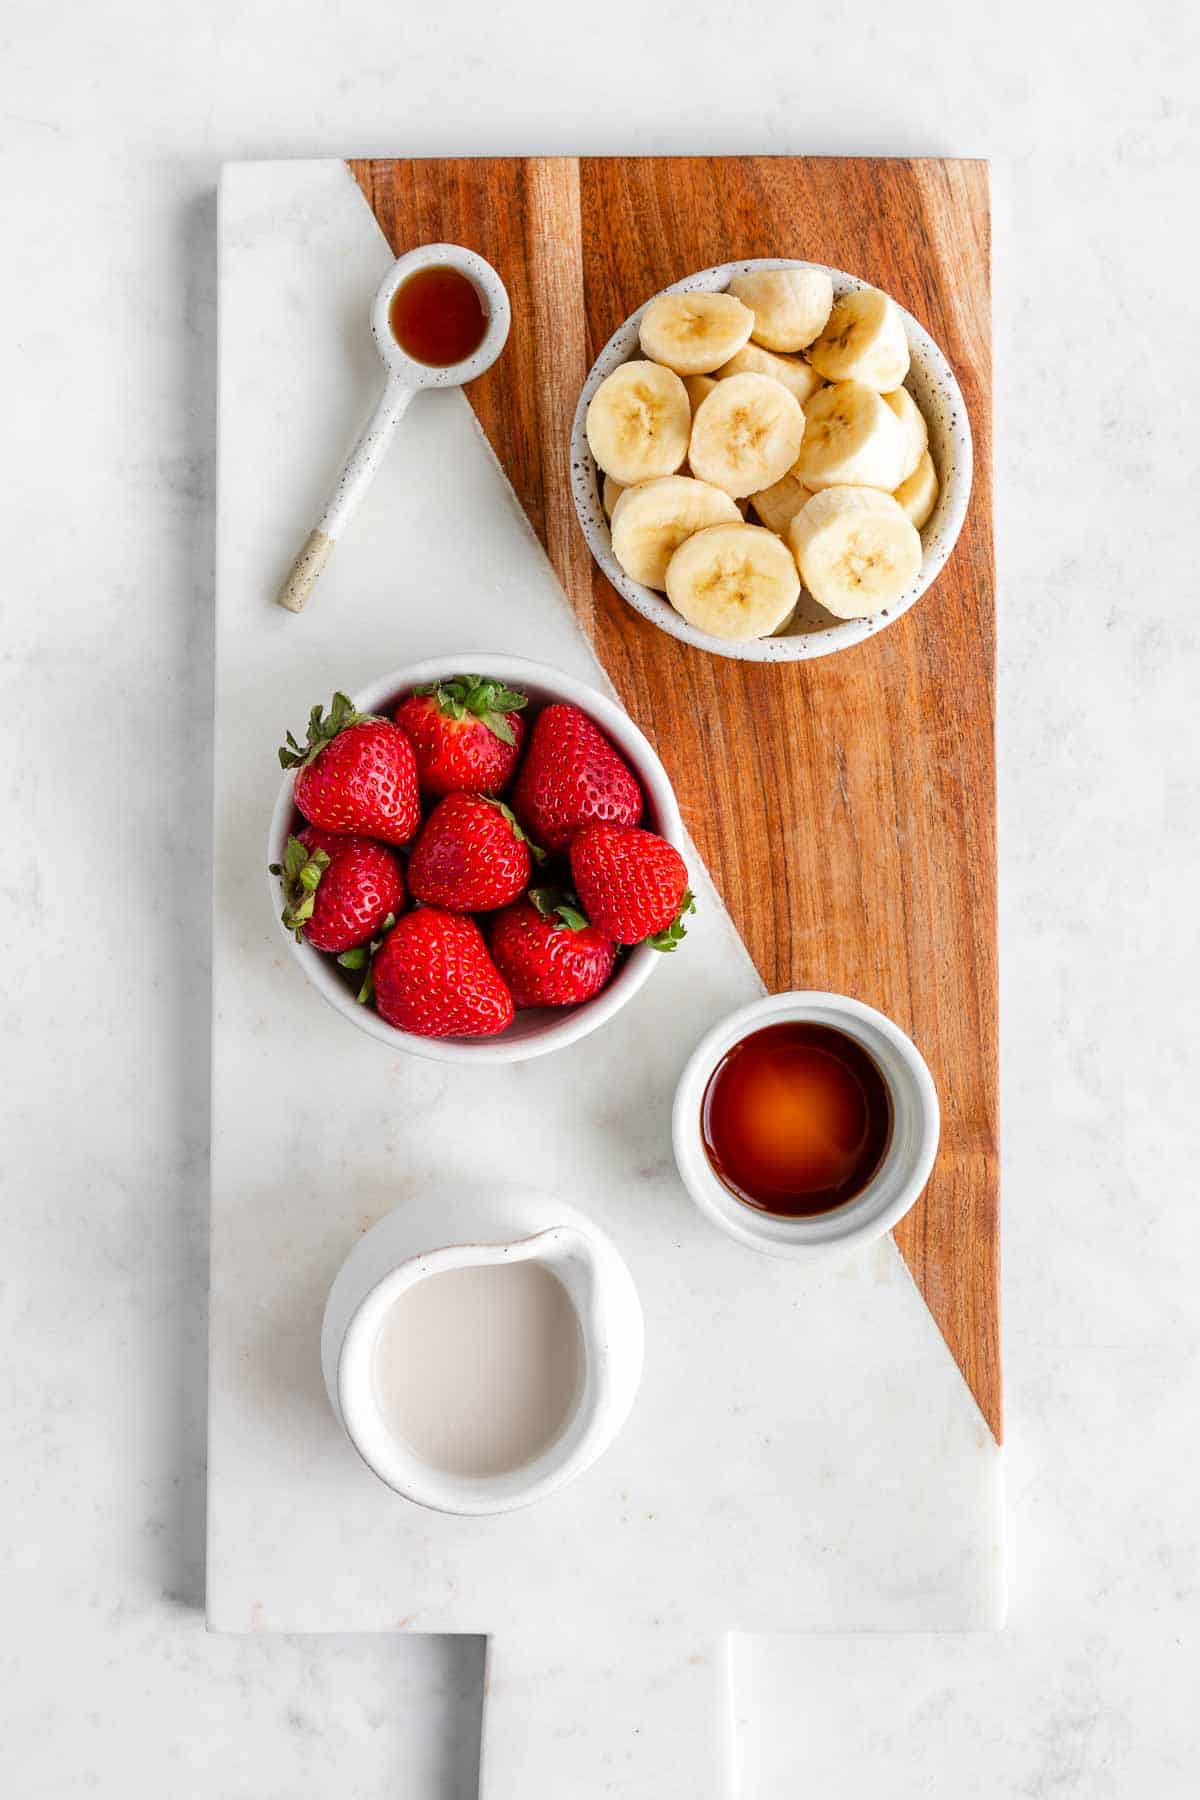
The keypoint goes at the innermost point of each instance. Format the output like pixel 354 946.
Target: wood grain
pixel 845 807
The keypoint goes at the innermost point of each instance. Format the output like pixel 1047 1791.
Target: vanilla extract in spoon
pixel 437 316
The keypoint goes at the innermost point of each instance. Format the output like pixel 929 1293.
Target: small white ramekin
pixel 897 1182
pixel 537 1031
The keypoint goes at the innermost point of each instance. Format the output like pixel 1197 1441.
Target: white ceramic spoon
pixel 405 375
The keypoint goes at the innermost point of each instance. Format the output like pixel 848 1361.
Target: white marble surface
pixel 113 122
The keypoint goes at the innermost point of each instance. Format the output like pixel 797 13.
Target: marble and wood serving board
pixel 812 1449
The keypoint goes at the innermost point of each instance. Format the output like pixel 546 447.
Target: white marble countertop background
pixel 113 121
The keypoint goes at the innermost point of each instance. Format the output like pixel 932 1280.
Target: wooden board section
pixel 846 807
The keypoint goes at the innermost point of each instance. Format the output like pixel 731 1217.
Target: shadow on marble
pixel 185 908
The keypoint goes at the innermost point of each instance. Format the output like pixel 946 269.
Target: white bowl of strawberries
pixel 477 866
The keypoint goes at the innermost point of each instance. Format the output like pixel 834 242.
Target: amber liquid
pixel 437 316
pixel 796 1119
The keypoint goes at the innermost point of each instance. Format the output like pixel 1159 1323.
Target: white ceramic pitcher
pixel 472 1232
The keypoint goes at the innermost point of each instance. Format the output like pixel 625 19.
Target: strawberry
pixel 471 856
pixel 548 953
pixel 433 976
pixel 357 774
pixel 632 883
pixel 467 733
pixel 571 774
pixel 338 890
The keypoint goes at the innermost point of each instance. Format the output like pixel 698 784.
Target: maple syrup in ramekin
pixel 796 1118
pixel 437 316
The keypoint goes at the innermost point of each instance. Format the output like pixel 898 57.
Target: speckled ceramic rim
pixel 492 292
pixel 936 392
pixel 537 1031
pixel 897 1182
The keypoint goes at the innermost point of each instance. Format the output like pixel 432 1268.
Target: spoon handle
pixel 353 483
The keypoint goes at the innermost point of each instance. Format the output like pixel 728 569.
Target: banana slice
pixel 790 306
pixel 638 423
pixel 747 433
pixel 918 495
pixel 857 550
pixel 735 581
pixel 796 375
pixel 863 341
pixel 652 520
pixel 699 387
pixel 912 426
pixel 778 505
pixel 851 439
pixel 610 494
pixel 694 333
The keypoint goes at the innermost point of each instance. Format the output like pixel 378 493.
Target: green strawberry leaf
pixel 321 731
pixel 499 727
pixel 481 697
pixel 676 931
pixel 492 697
pixel 300 877
pixel 294 858
pixel 363 957
pixel 561 907
pixel 535 850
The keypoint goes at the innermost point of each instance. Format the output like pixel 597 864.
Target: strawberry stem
pixel 300 874
pixel 363 957
pixel 535 850
pixel 480 697
pixel 561 906
pixel 322 729
pixel 676 931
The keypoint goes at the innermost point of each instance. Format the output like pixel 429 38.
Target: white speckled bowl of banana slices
pixel 771 460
